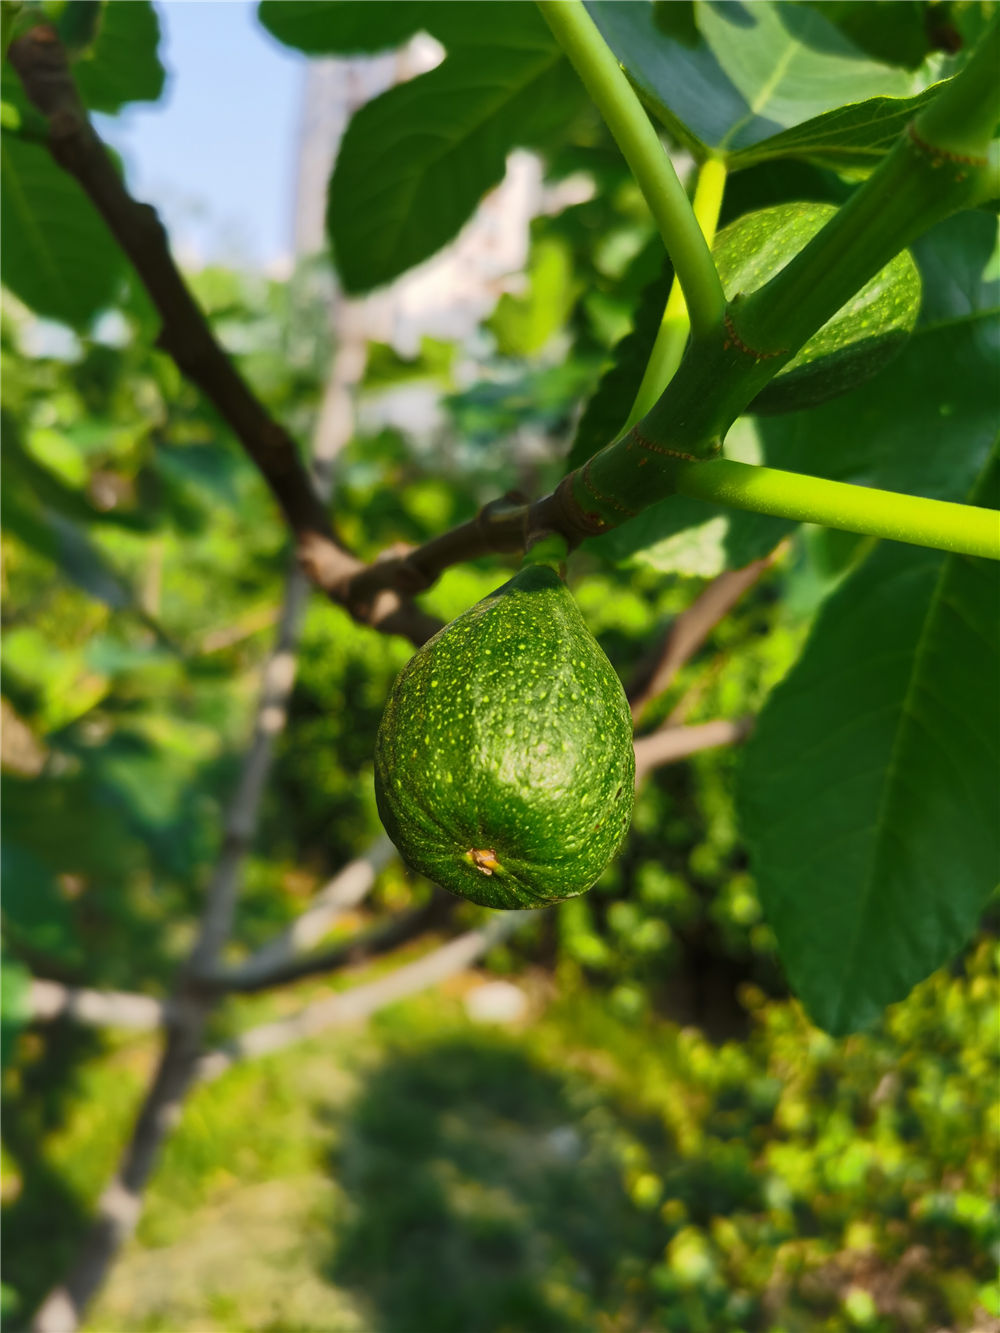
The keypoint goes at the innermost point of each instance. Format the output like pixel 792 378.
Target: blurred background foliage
pixel 663 1141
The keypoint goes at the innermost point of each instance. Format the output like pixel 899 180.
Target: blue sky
pixel 216 155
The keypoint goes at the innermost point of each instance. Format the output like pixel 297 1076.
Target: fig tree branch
pixel 357 1005
pixel 51 1000
pixel 183 1062
pixel 284 960
pixel 688 631
pixel 944 162
pixel 120 1205
pixel 342 893
pixel 352 952
pixel 40 61
pixel 337 1010
pixel 670 744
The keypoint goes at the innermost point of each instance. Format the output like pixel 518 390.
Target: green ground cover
pixel 582 1171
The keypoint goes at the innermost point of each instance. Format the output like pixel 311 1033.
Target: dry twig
pixel 343 892
pixel 670 744
pixel 691 628
pixel 358 1004
pixel 50 1000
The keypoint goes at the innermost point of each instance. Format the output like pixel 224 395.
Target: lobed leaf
pixel 415 162
pixel 851 138
pixel 869 789
pixel 757 82
pixel 122 64
pixel 57 255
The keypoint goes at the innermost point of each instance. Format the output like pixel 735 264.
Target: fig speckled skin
pixel 504 767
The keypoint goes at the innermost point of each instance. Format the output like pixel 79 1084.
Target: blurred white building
pixel 449 294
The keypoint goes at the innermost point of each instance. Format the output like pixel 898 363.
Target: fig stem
pixel 672 336
pixel 623 113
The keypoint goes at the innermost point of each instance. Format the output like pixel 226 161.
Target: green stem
pixel 671 339
pixel 961 528
pixel 940 165
pixel 623 113
pixel 916 186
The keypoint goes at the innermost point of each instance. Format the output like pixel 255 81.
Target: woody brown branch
pixel 353 952
pixel 41 63
pixel 378 594
pixel 689 631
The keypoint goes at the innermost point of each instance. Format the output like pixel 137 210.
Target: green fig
pixel 504 767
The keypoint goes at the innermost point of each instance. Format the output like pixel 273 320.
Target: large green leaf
pixel 897 32
pixel 416 161
pixel 925 425
pixel 57 255
pixel 743 75
pixel 340 27
pixel 34 909
pixel 345 27
pixel 77 23
pixel 959 263
pixel 789 64
pixel 122 64
pixel 853 137
pixel 870 788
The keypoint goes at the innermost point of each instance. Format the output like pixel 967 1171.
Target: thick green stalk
pixel 623 113
pixel 916 186
pixel 964 529
pixel 962 120
pixel 671 339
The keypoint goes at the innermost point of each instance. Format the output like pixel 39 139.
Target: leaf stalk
pixel 917 185
pixel 672 336
pixel 960 528
pixel 649 162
